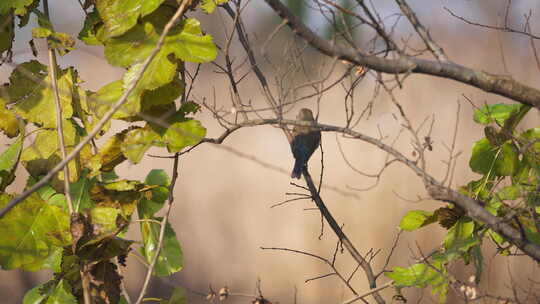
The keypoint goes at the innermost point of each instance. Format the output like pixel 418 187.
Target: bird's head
pixel 305 114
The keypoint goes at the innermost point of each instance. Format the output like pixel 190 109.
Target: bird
pixel 305 141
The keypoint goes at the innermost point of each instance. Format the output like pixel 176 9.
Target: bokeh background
pixel 222 211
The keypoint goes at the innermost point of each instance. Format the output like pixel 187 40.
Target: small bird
pixel 305 141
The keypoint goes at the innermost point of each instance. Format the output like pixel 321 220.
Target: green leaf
pixel 124 185
pixel 80 193
pixel 8 163
pixel 416 219
pixel 532 136
pixel 159 104
pixel 503 161
pixel 41 32
pixel 509 193
pixel 89 30
pixel 62 42
pixel 7 33
pixel 497 238
pixel 421 275
pixel 9 123
pixel 126 201
pixel 59 293
pixel 119 15
pixel 160 72
pixel 101 101
pixel 40 157
pixel 185 40
pixel 35 101
pixel 19 6
pixel 109 156
pixel 483 156
pixel 189 44
pixel 170 258
pixel 156 197
pixel 104 219
pixel 507 163
pixel 183 133
pixel 157 177
pixel 531 233
pixel 495 113
pixel 31 232
pixel 478 260
pixel 33 296
pixel 459 233
pixel 209 6
pixel 137 142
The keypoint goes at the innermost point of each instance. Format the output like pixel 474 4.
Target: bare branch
pixel 500 85
pixel 437 51
pixel 436 189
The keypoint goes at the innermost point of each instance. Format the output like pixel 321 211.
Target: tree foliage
pixel 39 233
pixel 76 226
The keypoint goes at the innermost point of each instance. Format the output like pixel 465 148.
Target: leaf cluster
pixel 507 160
pixel 39 233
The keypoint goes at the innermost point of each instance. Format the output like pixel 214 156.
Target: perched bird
pixel 305 141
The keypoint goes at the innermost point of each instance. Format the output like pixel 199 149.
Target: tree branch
pixel 436 189
pixel 437 51
pixel 341 235
pixel 500 85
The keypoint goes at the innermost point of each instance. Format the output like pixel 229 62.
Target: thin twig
pixel 59 121
pixel 362 296
pixel 341 235
pixel 435 49
pixel 163 224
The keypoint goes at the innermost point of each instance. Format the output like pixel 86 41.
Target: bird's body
pixel 305 141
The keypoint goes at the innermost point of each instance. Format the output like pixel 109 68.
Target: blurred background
pixel 222 213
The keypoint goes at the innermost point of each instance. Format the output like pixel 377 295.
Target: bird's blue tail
pixel 297 170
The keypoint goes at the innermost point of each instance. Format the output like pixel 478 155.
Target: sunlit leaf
pixel 119 15
pixel 209 6
pixel 137 143
pixel 186 41
pixel 88 32
pixel 30 233
pixel 122 195
pixel 183 133
pixel 416 219
pixel 35 101
pixel 8 163
pixel 59 293
pixel 495 113
pixel 9 123
pixel 501 161
pixel 18 5
pixel 40 157
pixel 109 156
pixel 101 101
pixel 421 275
